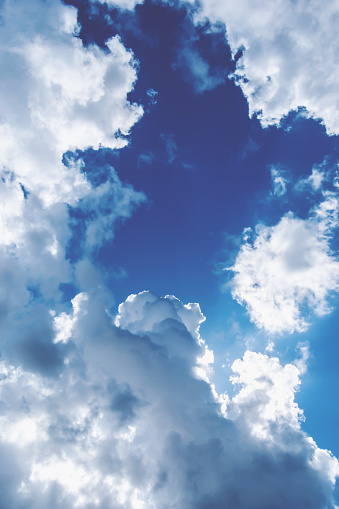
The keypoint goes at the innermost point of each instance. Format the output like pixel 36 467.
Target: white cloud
pixel 128 425
pixel 279 181
pixel 316 178
pixel 315 182
pixel 56 95
pixel 65 96
pixel 267 393
pixel 287 267
pixel 283 66
pixel 96 413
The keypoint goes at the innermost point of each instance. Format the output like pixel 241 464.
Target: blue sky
pixel 169 266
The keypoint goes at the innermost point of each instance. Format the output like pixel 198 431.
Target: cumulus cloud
pixel 65 97
pixel 55 96
pixel 286 267
pixel 130 425
pixel 69 97
pixel 282 65
pixel 272 388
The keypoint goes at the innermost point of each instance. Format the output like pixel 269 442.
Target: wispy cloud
pixel 118 410
pixel 279 181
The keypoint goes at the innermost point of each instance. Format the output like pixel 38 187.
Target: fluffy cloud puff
pixel 282 67
pixel 128 424
pixel 287 266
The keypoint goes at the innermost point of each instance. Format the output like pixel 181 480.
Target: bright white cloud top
pixel 120 411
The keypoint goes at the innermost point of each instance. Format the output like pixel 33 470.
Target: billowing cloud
pixel 120 4
pixel 70 97
pixel 282 65
pixel 55 96
pixel 287 267
pixel 130 425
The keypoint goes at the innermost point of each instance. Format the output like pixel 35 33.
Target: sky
pixel 169 254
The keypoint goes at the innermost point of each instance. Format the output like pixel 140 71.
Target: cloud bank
pixel 129 425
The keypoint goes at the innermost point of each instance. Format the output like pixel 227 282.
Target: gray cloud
pixel 129 424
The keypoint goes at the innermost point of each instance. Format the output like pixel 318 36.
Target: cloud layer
pixel 129 425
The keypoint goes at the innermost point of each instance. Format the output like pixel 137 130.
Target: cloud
pixel 171 147
pixel 316 180
pixel 120 4
pixel 198 71
pixel 99 210
pixel 267 393
pixel 153 96
pixel 56 96
pixel 66 97
pixel 287 269
pixel 281 65
pixel 278 49
pixel 70 96
pixel 115 411
pixel 202 56
pixel 129 425
pixel 279 181
pixel 145 158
